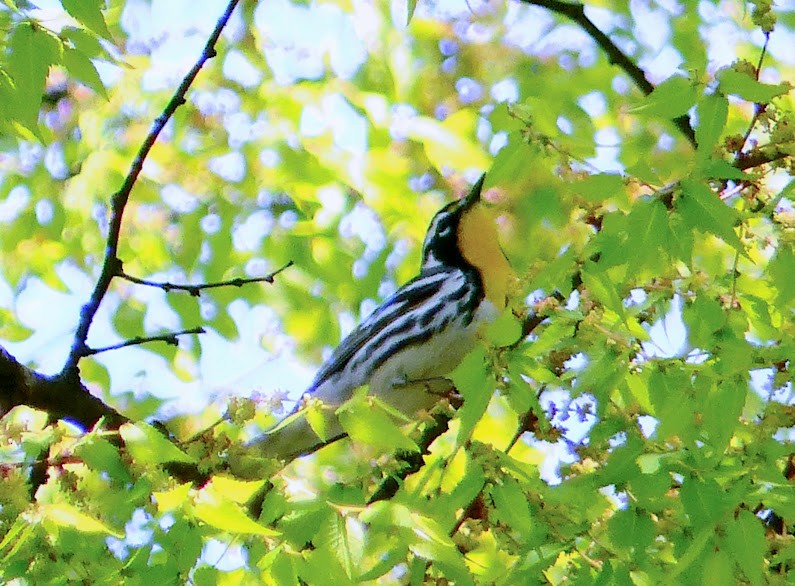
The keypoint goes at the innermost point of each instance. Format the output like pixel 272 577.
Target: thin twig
pixel 758 108
pixel 111 264
pixel 171 338
pixel 576 12
pixel 195 290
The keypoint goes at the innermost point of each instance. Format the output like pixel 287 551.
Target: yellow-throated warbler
pixel 422 331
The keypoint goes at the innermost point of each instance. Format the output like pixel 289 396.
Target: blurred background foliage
pixel 327 133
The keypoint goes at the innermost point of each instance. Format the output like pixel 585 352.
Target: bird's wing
pixel 414 293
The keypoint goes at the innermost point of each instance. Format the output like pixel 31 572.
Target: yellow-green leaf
pixel 450 144
pixel 168 500
pixel 149 446
pixel 228 516
pixel 66 515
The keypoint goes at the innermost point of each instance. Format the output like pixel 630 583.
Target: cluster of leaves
pixel 684 473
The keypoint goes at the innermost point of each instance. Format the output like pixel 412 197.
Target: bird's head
pixel 441 244
pixel 464 234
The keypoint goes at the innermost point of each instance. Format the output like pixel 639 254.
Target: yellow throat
pixel 479 245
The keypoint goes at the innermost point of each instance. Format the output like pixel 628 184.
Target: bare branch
pixel 576 12
pixel 111 264
pixel 195 290
pixel 170 338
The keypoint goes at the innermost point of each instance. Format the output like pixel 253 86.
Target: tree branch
pixel 576 12
pixel 195 290
pixel 111 265
pixel 60 396
pixel 170 338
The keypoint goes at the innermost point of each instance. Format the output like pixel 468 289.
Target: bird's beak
pixel 474 194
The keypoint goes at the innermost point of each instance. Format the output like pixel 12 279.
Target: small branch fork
pixel 170 338
pixel 111 266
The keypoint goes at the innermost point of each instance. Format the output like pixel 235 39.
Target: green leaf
pixel 149 446
pixel 367 423
pixel 89 14
pixel 238 491
pixel 719 169
pixel 718 569
pixel 505 330
pixel 650 235
pixel 344 545
pixel 599 186
pixel 713 111
pixel 671 98
pixel 670 393
pixel 630 529
pixel 745 539
pixel 85 42
pixel 704 501
pixel 16 537
pixel 81 68
pixel 129 319
pixel 317 417
pixel 704 316
pixel 411 6
pixel 743 85
pixel 602 288
pixel 99 454
pixel 473 381
pixel 780 272
pixel 434 544
pixel 704 211
pixel 65 515
pixel 512 506
pixel 174 498
pixel 226 515
pixel 33 50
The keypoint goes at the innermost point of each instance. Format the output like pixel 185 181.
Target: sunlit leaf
pixel 239 491
pixel 149 446
pixel 173 498
pixel 227 516
pixel 449 144
pixel 66 515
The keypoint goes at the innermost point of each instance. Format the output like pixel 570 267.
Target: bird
pixel 419 333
